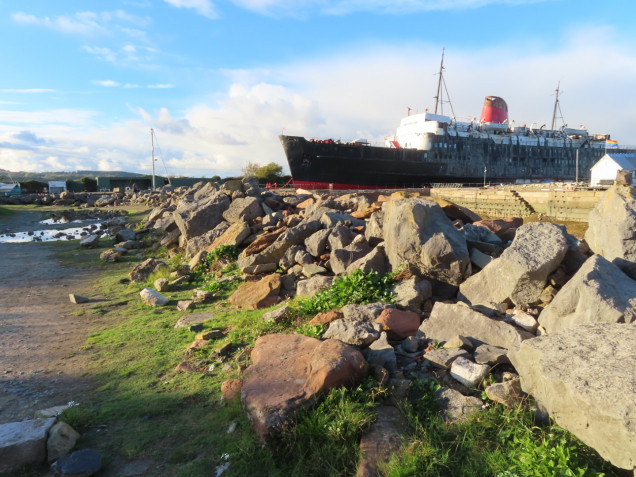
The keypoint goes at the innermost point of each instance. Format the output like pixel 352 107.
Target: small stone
pixel 62 439
pixel 458 341
pixel 77 299
pixel 525 321
pixel 410 344
pixel 152 297
pixel 198 344
pixel 326 317
pixel 468 373
pixel 185 305
pixel 508 393
pixel 209 335
pixel 277 315
pixel 162 284
pixel 195 328
pixel 194 318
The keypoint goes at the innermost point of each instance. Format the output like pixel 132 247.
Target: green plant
pixel 314 331
pixel 357 287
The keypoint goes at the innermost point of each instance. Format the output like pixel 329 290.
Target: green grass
pixel 4 211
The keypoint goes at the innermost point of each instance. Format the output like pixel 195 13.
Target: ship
pixel 431 150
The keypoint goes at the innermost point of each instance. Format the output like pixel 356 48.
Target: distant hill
pixel 6 175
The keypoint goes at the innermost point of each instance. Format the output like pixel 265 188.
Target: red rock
pixel 198 344
pixel 231 389
pixel 290 372
pixel 262 242
pixel 326 318
pixel 257 295
pixel 306 203
pixel 399 324
pixel 503 228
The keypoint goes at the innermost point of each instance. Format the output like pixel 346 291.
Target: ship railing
pixel 445 185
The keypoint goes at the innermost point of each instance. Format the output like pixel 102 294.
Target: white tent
pixel 604 171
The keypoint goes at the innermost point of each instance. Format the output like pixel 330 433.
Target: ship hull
pixel 449 159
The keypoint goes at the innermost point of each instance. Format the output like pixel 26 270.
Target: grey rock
pixel 125 234
pixel 358 333
pixel 341 258
pixel 455 406
pixel 599 291
pixel 23 442
pixel 201 242
pixel 412 293
pixel 77 299
pixel 381 353
pixel 410 344
pixel 162 284
pixel 313 285
pixel 374 261
pixel 194 318
pixel 90 241
pixel 373 231
pixel 444 357
pixel 491 355
pixel 278 315
pixel 196 218
pixel 340 237
pixel 508 393
pixel 185 305
pixel 385 436
pixel 520 274
pixel 152 297
pixel 418 233
pixel 142 271
pixel 479 233
pixel 331 219
pixel 243 210
pixel 313 269
pixel 584 377
pixel 611 228
pixel 479 259
pixel 447 321
pixel 316 244
pixel 289 258
pixel 368 312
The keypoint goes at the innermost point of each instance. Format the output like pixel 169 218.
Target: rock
pixel 152 297
pixel 142 271
pixel 525 321
pixel 312 270
pixel 201 296
pixel 381 353
pixel 412 293
pixel 62 439
pixel 202 242
pixel 162 284
pixel 278 315
pixel 81 463
pixel 111 255
pixel 231 389
pixel 23 442
pixel 467 372
pixel 444 357
pixel 313 285
pixel 290 372
pixel 170 238
pixel 491 355
pixel 77 299
pixel 341 258
pixel 196 218
pixel 385 436
pixel 520 274
pixel 326 318
pixel 185 305
pixel 374 261
pixel 399 323
pixel 447 321
pixel 479 259
pixel 316 244
pixel 584 377
pixel 243 210
pixel 611 226
pixel 357 333
pixel 410 344
pixel 599 291
pixel 90 241
pixel 508 393
pixel 340 237
pixel 417 233
pixel 455 406
pixel 192 319
pixel 368 312
pixel 331 219
pixel 504 228
pixel 458 341
pixel 256 295
pixel 479 233
pixel 234 235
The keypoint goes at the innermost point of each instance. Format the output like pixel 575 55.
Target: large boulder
pixel 448 320
pixel 234 235
pixel 418 234
pixel 612 228
pixel 23 442
pixel 142 271
pixel 243 210
pixel 342 258
pixel 196 218
pixel 599 291
pixel 290 372
pixel 584 377
pixel 520 274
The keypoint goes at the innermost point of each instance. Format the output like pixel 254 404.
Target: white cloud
pixel 202 7
pixel 344 7
pixel 28 91
pixel 107 83
pixel 81 23
pixel 160 86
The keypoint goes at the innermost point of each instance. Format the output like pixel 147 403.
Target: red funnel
pixel 495 110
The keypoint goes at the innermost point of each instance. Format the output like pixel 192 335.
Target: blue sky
pixel 83 82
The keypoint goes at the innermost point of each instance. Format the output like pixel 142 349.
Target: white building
pixel 57 187
pixel 604 171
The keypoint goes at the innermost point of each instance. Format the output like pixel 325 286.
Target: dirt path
pixel 41 361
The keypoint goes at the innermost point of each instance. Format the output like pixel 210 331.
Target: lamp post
pixel 485 176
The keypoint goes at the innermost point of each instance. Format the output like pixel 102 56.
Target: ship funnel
pixel 495 110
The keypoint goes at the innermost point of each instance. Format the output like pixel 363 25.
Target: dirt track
pixel 41 363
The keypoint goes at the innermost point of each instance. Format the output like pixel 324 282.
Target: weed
pixel 314 331
pixel 357 287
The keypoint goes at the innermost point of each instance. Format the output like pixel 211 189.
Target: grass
pixel 143 407
pixel 4 211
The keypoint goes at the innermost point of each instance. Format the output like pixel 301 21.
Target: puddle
pixel 54 234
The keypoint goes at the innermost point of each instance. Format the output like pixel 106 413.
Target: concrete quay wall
pixel 559 204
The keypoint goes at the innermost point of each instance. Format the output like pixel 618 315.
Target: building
pixel 57 187
pixel 124 183
pixel 9 189
pixel 605 170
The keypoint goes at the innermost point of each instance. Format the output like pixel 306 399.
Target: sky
pixel 83 81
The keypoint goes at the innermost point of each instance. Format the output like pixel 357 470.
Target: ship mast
pixel 439 101
pixel 556 106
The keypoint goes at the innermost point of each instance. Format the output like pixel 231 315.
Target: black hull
pixel 451 159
